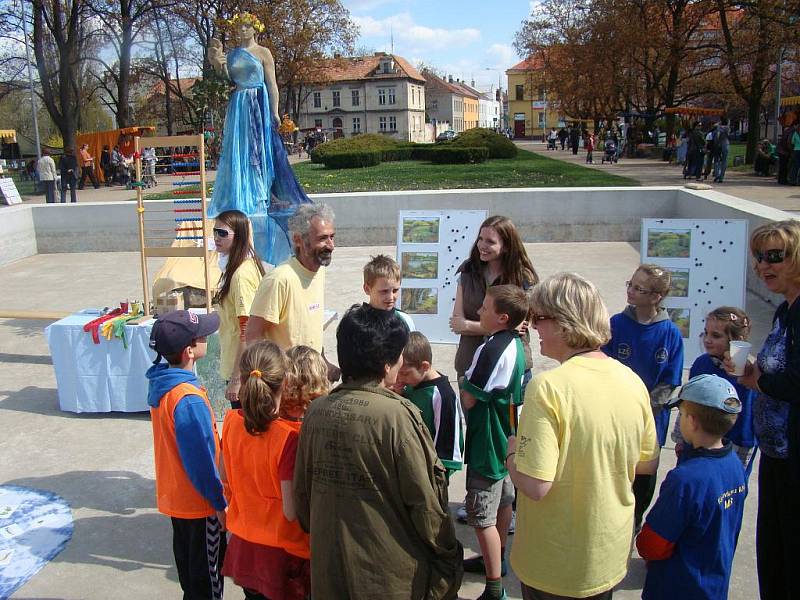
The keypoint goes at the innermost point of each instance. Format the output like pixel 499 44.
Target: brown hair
pixel 787 233
pixel 711 420
pixel 658 278
pixel 241 250
pixel 517 267
pixel 263 368
pixel 381 266
pixel 510 300
pixel 417 350
pixel 735 320
pixel 306 379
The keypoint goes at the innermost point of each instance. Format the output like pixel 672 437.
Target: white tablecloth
pixel 102 377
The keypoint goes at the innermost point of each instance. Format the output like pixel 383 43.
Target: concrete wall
pixel 17 234
pixel 87 227
pixel 541 215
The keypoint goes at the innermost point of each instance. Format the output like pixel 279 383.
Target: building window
pixel 434 105
pixel 541 119
pixel 519 90
pixel 391 96
pixel 381 96
pixel 317 100
pixel 336 99
pixel 318 123
pixel 356 124
pixel 355 97
pixel 382 123
pixel 392 123
pixel 542 94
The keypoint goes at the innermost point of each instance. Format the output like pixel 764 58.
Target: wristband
pixel 507 456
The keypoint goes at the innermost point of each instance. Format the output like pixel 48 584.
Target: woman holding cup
pixel 775 376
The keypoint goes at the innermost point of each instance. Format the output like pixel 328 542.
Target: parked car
pixel 446 136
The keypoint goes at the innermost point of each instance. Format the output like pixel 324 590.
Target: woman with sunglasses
pixel 241 275
pixel 775 376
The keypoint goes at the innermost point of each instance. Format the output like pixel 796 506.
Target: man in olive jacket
pixel 368 485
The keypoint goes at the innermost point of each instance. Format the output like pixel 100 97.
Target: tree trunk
pixel 124 81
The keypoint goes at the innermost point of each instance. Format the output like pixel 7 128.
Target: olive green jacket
pixel 372 493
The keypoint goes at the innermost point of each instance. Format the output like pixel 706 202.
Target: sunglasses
pixel 221 233
pixel 772 257
pixel 537 318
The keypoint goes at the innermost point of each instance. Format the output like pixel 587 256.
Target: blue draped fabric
pixel 254 175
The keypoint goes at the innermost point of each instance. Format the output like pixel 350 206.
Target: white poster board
pixel 8 192
pixel 431 245
pixel 708 262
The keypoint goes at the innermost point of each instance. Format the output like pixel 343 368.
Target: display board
pixel 431 244
pixel 8 192
pixel 708 262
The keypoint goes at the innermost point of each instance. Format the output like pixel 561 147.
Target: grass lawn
pixel 527 170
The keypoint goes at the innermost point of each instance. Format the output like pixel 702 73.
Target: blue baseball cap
pixel 712 391
pixel 174 331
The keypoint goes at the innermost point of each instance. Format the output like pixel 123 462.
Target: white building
pixel 381 93
pixel 490 109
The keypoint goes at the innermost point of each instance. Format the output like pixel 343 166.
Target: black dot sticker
pixel 715 278
pixel 702 233
pixel 724 250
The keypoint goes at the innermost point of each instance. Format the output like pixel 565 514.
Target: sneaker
pixel 513 526
pixel 486 596
pixel 475 565
pixel 461 514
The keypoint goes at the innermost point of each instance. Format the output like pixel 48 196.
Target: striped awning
pixel 694 110
pixel 8 135
pixel 790 101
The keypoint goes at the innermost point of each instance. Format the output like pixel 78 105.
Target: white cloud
pixel 501 56
pixel 420 37
pixel 363 5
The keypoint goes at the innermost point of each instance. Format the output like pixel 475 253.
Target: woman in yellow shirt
pixel 241 273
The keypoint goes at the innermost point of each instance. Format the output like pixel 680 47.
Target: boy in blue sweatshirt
pixel 186 448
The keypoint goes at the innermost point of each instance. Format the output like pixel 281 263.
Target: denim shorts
pixel 485 497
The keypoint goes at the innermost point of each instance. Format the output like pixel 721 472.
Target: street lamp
pixel 500 90
pixel 30 81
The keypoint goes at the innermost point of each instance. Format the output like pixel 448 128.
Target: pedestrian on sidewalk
pixel 87 168
pixel 794 166
pixel 46 171
pixel 574 139
pixel 719 149
pixel 68 165
pixel 695 152
pixel 562 137
pixel 589 148
pixel 785 152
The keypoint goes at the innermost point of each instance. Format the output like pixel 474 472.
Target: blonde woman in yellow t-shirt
pixel 241 274
pixel 586 429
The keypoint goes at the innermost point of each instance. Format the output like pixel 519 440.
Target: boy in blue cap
pixel 691 532
pixel 186 449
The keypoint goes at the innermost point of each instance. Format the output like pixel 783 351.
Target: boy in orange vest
pixel 186 445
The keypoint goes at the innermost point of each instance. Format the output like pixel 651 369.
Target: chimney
pixel 472 83
pixel 450 79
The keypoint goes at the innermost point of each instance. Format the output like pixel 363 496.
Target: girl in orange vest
pixel 268 553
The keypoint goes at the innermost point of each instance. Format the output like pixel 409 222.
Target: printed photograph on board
pixel 421 230
pixel 679 287
pixel 682 319
pixel 419 301
pixel 420 265
pixel 669 243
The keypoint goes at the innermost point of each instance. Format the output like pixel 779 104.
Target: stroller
pixel 609 152
pixel 551 143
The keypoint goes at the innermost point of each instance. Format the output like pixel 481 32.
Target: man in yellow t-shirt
pixel 586 429
pixel 289 305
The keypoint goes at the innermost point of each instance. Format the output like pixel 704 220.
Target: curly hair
pixel 263 369
pixel 306 379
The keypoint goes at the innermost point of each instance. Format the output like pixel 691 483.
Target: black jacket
pixel 68 163
pixel 785 386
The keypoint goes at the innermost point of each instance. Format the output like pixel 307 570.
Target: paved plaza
pixel 102 464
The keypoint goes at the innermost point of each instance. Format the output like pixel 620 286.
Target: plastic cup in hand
pixel 739 352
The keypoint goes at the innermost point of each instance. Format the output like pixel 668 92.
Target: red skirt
pixel 272 572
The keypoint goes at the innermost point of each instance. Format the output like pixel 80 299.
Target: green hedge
pixel 452 155
pixel 356 143
pixel 499 145
pixel 352 159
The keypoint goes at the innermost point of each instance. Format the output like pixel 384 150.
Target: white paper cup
pixel 739 352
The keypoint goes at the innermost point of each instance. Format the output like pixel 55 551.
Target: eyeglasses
pixel 772 257
pixel 222 233
pixel 637 289
pixel 537 318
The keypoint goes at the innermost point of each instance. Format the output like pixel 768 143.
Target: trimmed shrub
pixel 352 159
pixel 499 145
pixel 364 142
pixel 452 155
pixel 395 154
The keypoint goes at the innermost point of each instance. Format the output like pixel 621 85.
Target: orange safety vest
pixel 175 494
pixel 255 512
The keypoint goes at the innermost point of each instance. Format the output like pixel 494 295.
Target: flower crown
pixel 245 19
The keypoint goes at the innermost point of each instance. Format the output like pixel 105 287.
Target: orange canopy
pixel 695 110
pixel 113 137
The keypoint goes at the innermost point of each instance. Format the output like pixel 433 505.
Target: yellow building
pixel 531 113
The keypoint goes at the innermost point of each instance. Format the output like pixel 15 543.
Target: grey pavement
pixel 648 172
pixel 103 464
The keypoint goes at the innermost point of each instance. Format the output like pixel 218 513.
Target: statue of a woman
pixel 253 174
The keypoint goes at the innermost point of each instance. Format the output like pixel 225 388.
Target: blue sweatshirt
pixel 194 432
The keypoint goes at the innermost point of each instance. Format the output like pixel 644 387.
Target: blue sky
pixel 458 37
